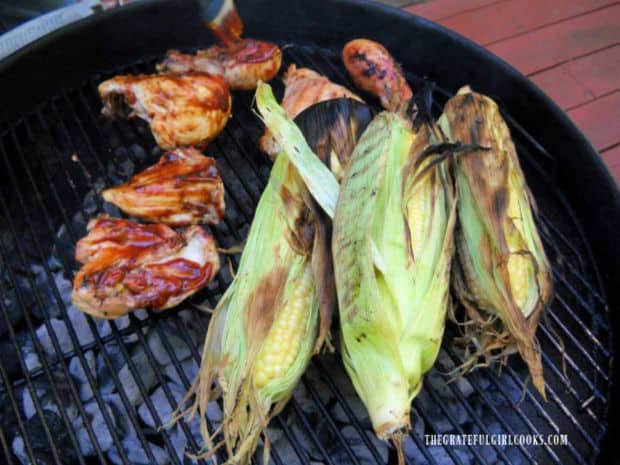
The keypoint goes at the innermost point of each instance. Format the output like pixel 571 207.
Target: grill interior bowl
pixel 60 370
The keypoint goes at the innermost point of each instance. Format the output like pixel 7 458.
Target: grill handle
pixel 36 28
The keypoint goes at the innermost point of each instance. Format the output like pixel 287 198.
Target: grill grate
pixel 78 390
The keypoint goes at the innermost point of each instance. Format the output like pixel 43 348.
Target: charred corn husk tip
pixel 503 276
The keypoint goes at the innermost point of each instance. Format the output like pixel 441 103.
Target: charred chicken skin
pixel 183 188
pixel 128 266
pixel 182 109
pixel 242 63
pixel 374 70
pixel 304 88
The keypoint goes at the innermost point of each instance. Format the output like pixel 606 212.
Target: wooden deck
pixel 569 48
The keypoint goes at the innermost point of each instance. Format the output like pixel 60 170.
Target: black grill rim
pixel 65 58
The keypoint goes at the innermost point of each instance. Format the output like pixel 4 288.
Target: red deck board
pixel 571 49
pixel 438 9
pixel 612 160
pixel 584 79
pixel 492 23
pixel 561 42
pixel 612 156
pixel 599 120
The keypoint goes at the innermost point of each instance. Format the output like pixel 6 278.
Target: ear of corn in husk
pixel 503 277
pixel 392 318
pixel 277 311
pixel 319 144
pixel 392 248
pixel 266 326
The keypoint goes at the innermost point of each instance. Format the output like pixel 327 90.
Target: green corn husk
pixel 400 202
pixel 280 303
pixel 283 244
pixel 392 246
pixel 503 276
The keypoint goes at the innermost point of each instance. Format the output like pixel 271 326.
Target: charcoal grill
pixel 77 390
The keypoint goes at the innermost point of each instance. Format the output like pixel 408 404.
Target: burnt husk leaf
pixel 334 125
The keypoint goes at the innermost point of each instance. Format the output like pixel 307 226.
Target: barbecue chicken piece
pixel 304 88
pixel 127 266
pixel 374 70
pixel 183 188
pixel 242 64
pixel 186 109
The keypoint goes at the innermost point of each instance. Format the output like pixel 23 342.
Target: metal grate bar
pixel 92 326
pixel 489 404
pixel 572 337
pixel 249 159
pixel 342 77
pixel 79 351
pixel 574 272
pixel 559 346
pixel 595 275
pixel 303 456
pixel 459 395
pixel 422 414
pixel 9 391
pixel 571 362
pixel 5 447
pixel 313 436
pixel 135 328
pixel 567 383
pixel 40 352
pixel 561 264
pixel 583 304
pixel 455 424
pixel 254 196
pixel 130 363
pixel 163 338
pixel 497 382
pixel 73 124
pixel 186 382
pixel 546 415
pixel 550 233
pixel 343 403
pixel 42 358
pixel 328 418
pixel 105 356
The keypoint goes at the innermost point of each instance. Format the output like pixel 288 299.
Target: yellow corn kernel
pixel 283 342
pixel 417 212
pixel 519 265
pixel 519 273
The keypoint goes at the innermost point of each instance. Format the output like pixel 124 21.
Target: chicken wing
pixel 182 110
pixel 374 70
pixel 242 63
pixel 128 266
pixel 183 188
pixel 304 88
